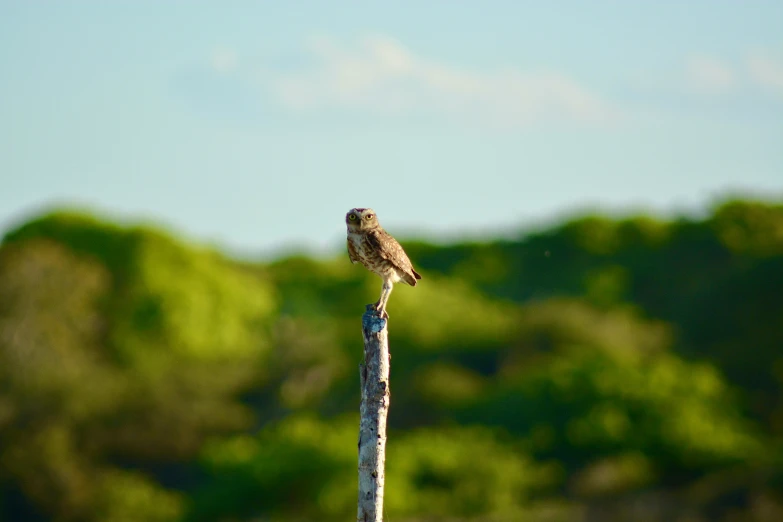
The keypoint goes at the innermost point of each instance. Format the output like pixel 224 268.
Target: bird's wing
pixel 352 253
pixel 388 248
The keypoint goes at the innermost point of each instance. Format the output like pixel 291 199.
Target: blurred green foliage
pixel 603 369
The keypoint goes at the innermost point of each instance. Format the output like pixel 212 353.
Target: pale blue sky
pixel 257 125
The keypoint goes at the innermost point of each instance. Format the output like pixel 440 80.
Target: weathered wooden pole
pixel 374 376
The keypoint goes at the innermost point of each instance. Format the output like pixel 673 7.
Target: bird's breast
pixel 357 242
pixel 370 258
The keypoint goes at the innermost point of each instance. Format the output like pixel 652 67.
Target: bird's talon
pixel 379 311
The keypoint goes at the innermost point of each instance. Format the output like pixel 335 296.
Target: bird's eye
pixel 368 216
pixel 352 217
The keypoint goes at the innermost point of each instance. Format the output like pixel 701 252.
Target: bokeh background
pixel 593 192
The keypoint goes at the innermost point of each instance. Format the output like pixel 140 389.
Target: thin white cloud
pixel 223 60
pixel 766 71
pixel 708 75
pixel 381 75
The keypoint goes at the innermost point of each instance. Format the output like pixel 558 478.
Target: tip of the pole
pixel 371 321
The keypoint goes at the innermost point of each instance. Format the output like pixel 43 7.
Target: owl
pixel 372 246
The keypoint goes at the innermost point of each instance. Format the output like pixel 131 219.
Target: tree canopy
pixel 580 372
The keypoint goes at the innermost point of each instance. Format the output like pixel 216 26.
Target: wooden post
pixel 374 376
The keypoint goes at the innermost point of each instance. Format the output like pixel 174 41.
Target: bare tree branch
pixel 374 375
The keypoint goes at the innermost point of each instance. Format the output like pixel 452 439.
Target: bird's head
pixel 361 219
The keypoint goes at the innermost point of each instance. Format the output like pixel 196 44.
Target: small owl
pixel 380 253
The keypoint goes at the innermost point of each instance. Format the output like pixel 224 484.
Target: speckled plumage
pixel 373 247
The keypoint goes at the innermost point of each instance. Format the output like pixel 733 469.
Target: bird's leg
pixel 380 306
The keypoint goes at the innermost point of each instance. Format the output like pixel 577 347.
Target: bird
pixel 381 254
